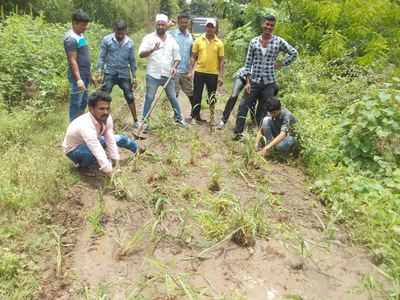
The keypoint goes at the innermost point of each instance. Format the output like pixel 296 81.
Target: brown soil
pixel 151 245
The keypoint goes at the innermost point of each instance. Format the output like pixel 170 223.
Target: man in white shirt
pixel 162 52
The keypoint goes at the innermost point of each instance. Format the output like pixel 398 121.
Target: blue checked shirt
pixel 117 58
pixel 262 67
pixel 185 42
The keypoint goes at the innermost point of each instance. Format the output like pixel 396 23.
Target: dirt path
pixel 161 238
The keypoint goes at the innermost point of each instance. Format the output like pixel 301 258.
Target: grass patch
pixel 35 172
pixel 224 214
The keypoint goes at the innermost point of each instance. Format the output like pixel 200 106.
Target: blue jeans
pixel 77 98
pixel 82 156
pixel 286 145
pixel 124 84
pixel 152 85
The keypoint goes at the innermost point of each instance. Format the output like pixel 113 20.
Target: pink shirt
pixel 86 130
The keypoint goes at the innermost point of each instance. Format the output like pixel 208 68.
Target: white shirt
pixel 161 60
pixel 86 130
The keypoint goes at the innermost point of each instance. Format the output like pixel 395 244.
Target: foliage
pixel 224 214
pixel 30 69
pixel 356 165
pixel 364 28
pixel 371 131
pixel 368 31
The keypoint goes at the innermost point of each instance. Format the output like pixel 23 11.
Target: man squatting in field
pixel 276 130
pixel 90 137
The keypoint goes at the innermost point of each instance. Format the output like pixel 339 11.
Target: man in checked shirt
pixel 260 67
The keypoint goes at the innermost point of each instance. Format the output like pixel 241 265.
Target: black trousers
pixel 261 92
pixel 201 79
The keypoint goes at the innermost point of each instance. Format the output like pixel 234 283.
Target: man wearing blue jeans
pixel 163 56
pixel 90 137
pixel 77 51
pixel 275 130
pixel 117 63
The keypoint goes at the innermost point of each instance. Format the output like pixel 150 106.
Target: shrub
pixel 33 63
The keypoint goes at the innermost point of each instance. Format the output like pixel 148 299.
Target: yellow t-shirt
pixel 208 53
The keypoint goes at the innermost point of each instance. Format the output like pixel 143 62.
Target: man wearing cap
pixel 163 56
pixel 185 41
pixel 261 68
pixel 117 62
pixel 208 56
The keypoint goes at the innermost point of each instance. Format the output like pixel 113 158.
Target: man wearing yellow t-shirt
pixel 208 56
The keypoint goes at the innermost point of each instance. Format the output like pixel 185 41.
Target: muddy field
pixel 171 225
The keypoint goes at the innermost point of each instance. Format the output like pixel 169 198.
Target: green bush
pixel 350 139
pixel 33 63
pixel 371 132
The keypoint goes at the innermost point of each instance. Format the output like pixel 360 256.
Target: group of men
pixel 176 62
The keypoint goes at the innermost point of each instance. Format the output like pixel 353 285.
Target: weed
pixel 224 214
pixel 214 185
pixel 96 218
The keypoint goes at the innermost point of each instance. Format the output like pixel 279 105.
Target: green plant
pixel 96 217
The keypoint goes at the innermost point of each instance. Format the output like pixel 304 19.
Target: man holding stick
pixel 163 56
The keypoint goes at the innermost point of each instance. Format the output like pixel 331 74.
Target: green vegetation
pixel 34 174
pixel 345 92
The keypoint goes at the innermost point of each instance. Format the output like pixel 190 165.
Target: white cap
pixel 161 18
pixel 211 21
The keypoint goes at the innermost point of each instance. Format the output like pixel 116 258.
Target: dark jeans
pixel 125 85
pixel 261 92
pixel 201 79
pixel 238 86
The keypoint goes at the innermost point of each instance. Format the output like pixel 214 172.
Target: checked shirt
pixel 262 67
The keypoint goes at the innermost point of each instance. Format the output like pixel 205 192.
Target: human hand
pixel 81 85
pixel 190 75
pixel 220 81
pixel 156 47
pixel 265 151
pixel 134 84
pixel 247 88
pixel 173 72
pixel 278 66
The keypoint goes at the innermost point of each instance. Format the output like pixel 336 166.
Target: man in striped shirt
pixel 260 67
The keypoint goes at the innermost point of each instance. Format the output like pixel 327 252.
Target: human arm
pixel 221 64
pixel 147 47
pixel 132 65
pixel 102 57
pixel 72 57
pixel 275 141
pixel 109 139
pixel 90 138
pixel 193 59
pixel 291 53
pixel 176 57
pixel 248 66
pixel 258 139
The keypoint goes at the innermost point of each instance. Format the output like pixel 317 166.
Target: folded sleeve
pixel 89 135
pixel 109 138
